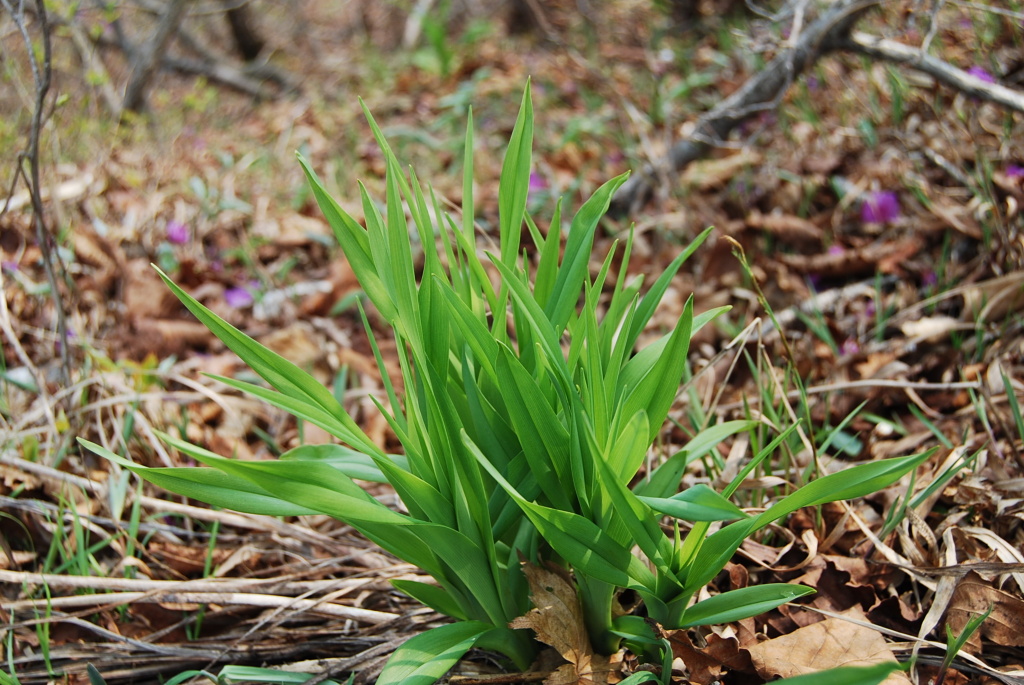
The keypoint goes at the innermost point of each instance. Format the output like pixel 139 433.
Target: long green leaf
pixel 650 384
pixel 696 503
pixel 514 184
pixel 353 240
pixel 580 541
pixel 855 481
pixel 437 598
pixel 425 658
pixel 575 265
pixel 352 463
pixel 657 291
pixel 282 374
pixel 209 485
pixel 739 604
pixel 847 675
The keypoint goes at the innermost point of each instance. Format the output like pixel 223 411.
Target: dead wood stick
pixel 279 586
pixel 760 93
pixel 234 598
pixel 149 58
pixel 891 51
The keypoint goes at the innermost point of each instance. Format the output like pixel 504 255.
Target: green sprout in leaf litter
pixel 527 417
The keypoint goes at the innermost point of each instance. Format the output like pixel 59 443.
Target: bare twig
pixel 891 51
pixel 113 599
pixel 93 65
pixel 380 582
pixel 151 55
pixel 41 76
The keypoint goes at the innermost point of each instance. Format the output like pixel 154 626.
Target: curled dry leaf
pixel 929 328
pixel 993 299
pixel 558 621
pixel 712 173
pixel 885 256
pixel 786 227
pixel 827 644
pixel 973 596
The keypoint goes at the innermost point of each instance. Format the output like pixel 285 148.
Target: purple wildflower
pixel 835 250
pixel 849 347
pixel 979 73
pixel 929 278
pixel 880 207
pixel 1015 171
pixel 537 186
pixel 177 232
pixel 238 297
pixel 9 266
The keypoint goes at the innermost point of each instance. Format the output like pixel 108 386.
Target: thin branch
pixel 41 76
pixel 151 55
pixel 891 51
pixel 112 599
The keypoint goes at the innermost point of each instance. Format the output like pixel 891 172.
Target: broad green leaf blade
pixel 437 598
pixel 352 463
pixel 282 374
pixel 425 658
pixel 257 674
pixel 544 439
pixel 575 265
pixel 209 485
pixel 474 332
pixel 855 481
pixel 740 604
pixel 696 503
pixel 847 675
pixel 653 297
pixel 651 383
pixel 547 266
pixel 514 184
pixel 635 517
pixel 715 553
pixel 353 240
pixel 545 334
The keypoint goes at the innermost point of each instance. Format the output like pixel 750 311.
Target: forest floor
pixel 878 211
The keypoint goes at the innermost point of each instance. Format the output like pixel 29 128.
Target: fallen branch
pixel 148 61
pixel 41 75
pixel 891 51
pixel 760 93
pixel 112 599
pixel 280 587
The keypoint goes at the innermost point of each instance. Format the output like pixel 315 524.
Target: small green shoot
pixel 954 643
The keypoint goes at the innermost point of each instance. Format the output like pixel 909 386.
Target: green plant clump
pixel 526 415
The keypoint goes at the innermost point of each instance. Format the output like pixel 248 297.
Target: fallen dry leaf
pixel 558 621
pixel 887 257
pixel 974 595
pixel 929 328
pixel 993 299
pixel 827 644
pixel 787 227
pixel 710 173
pixel 706 666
